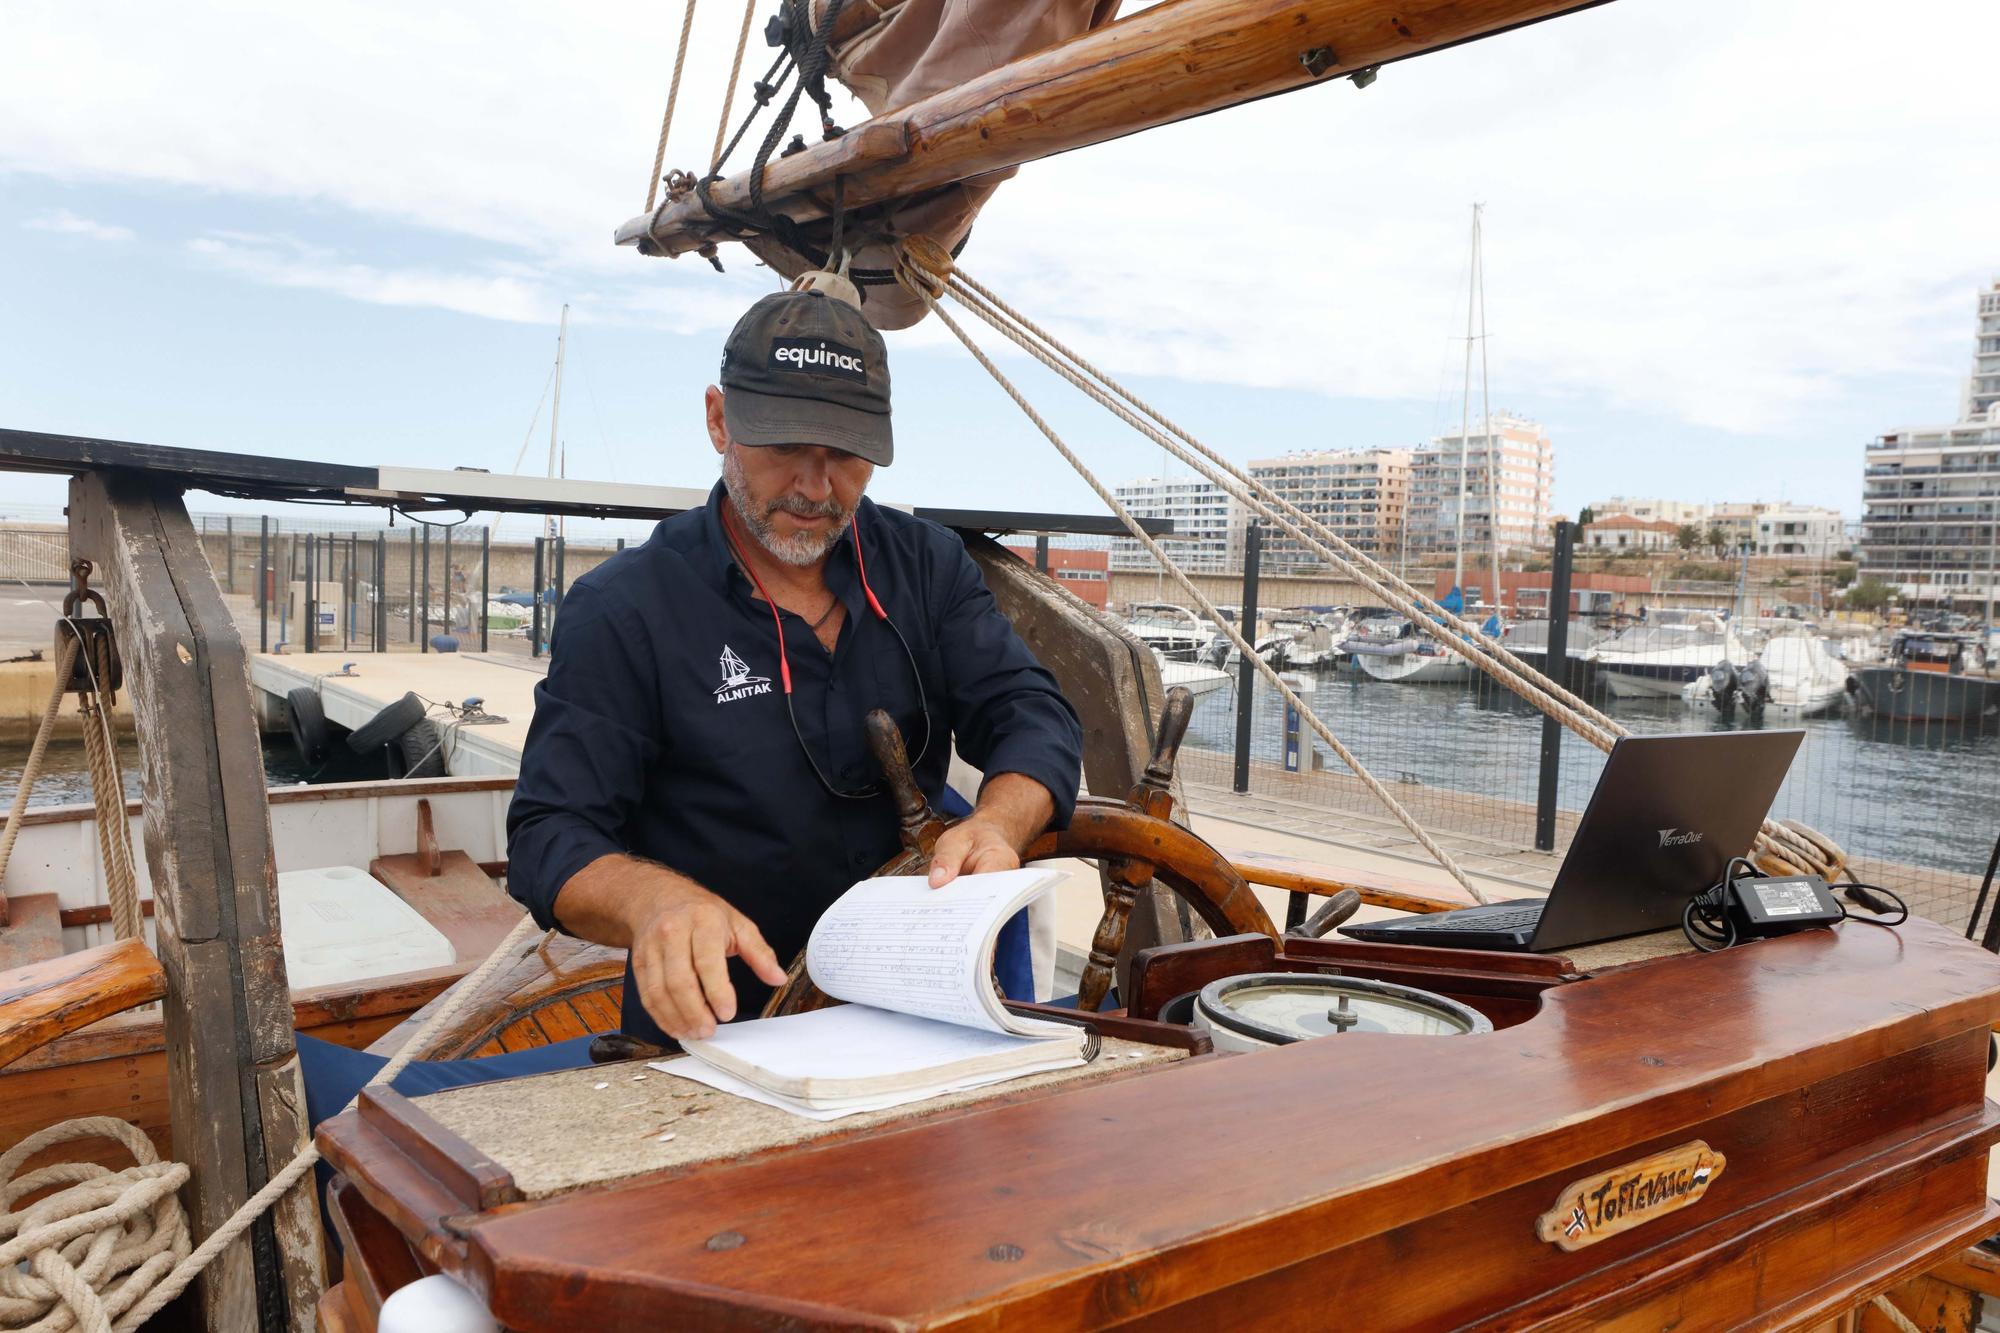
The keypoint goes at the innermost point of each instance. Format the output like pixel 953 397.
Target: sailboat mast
pixel 1465 417
pixel 1495 448
pixel 555 413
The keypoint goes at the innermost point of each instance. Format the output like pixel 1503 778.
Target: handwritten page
pixel 896 943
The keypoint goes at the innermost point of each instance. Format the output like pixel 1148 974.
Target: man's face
pixel 796 499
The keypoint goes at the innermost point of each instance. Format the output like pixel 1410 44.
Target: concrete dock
pixel 505 683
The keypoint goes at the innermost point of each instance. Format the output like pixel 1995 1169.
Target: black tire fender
pixel 383 728
pixel 422 747
pixel 307 721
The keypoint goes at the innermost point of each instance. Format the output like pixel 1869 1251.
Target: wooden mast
pixel 1180 59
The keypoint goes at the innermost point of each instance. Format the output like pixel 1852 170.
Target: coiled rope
pixel 94 1247
pixel 1782 847
pixel 120 1245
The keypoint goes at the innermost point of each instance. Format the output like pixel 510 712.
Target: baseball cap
pixel 807 368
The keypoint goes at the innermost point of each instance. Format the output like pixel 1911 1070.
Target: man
pixel 696 786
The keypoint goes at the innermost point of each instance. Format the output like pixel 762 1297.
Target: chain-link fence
pixel 334 584
pixel 1915 803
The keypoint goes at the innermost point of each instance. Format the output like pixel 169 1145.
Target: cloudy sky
pixel 1726 244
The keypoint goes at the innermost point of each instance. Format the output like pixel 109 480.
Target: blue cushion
pixel 334 1074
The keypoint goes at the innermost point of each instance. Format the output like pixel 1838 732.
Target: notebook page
pixel 896 943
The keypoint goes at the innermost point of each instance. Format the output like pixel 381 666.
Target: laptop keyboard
pixel 1499 917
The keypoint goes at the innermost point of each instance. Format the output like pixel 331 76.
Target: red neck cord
pixel 861 567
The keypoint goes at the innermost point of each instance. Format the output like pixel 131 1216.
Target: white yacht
pixel 1197 677
pixel 1794 674
pixel 1660 658
pixel 1172 631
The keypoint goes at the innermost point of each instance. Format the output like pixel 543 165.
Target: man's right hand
pixel 681 937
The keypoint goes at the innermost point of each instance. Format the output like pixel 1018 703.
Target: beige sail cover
pixel 909 51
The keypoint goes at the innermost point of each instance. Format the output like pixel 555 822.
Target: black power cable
pixel 1712 919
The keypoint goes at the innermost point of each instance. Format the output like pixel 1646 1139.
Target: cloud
pixel 287 262
pixel 63 221
pixel 1733 217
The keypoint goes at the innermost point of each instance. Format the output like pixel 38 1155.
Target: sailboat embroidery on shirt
pixel 737 682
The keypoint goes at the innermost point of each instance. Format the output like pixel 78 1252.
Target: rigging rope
pixel 65 662
pixel 673 95
pixel 189 1267
pixel 1783 847
pixel 107 783
pixel 729 93
pixel 922 273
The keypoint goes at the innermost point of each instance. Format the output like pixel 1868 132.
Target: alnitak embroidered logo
pixel 817 356
pixel 1675 838
pixel 737 682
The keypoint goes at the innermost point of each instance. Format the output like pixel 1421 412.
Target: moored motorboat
pixel 1172 631
pixel 1794 674
pixel 1657 660
pixel 1931 676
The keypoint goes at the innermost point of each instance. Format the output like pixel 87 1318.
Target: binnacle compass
pixel 1262 1009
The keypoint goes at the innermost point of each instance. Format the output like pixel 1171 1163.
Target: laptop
pixel 1667 815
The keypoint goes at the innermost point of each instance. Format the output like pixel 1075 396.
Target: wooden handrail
pixel 51 999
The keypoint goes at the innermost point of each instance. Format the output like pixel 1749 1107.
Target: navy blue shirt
pixel 661 728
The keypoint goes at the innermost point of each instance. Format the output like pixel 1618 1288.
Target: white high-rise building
pixel 1930 522
pixel 1982 388
pixel 1527 467
pixel 1200 513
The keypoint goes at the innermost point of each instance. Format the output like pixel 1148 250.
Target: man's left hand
pixel 1013 810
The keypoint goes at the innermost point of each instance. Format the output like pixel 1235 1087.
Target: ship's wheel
pixel 1133 842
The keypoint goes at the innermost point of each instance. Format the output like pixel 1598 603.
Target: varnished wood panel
pixel 46 1000
pixel 1841 1071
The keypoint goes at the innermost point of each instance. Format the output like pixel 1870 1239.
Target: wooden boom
pixel 1177 60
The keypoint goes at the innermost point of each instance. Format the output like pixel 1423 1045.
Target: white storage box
pixel 343 925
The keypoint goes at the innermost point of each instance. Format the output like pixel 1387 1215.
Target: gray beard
pixel 801 550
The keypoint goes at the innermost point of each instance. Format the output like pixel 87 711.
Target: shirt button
pixel 861 860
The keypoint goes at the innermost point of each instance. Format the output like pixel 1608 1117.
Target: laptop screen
pixel 1667 815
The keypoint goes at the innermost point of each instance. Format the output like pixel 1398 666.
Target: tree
pixel 1687 536
pixel 1870 594
pixel 1717 539
pixel 1584 518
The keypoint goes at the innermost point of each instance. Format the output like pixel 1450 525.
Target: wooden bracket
pixel 429 854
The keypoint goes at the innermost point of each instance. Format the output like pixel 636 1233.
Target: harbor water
pixel 1926 795
pixel 1923 795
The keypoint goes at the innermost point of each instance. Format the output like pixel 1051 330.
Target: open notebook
pixel 916 967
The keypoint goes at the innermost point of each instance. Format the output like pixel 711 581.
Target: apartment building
pixel 1525 458
pixel 1200 511
pixel 1362 494
pixel 1809 531
pixel 1930 522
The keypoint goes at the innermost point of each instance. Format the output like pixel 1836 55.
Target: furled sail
pixel 903 51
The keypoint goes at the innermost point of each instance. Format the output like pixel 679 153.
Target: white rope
pixel 1424 613
pixel 924 280
pixel 1782 847
pixel 1903 1323
pixel 111 1250
pixel 667 120
pixel 65 663
pixel 254 1207
pixel 93 1247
